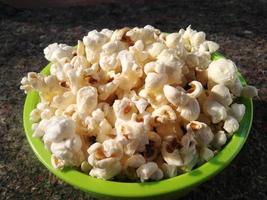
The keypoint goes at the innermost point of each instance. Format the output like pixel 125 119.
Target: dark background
pixel 240 27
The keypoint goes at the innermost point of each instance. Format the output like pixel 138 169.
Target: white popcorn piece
pixel 108 112
pixel 214 109
pixel 130 70
pixel 86 101
pixel 236 87
pixel 106 90
pixel 105 131
pixel 176 96
pixel 141 104
pixel 188 151
pixel 148 171
pixel 209 46
pixel 120 34
pixel 61 102
pixel 93 43
pixel 222 71
pixel 170 152
pixel 56 69
pixel 146 34
pixel 124 108
pixel 108 172
pixel 35 115
pixel 169 129
pixel 190 111
pixel 249 91
pixel 131 164
pixel 171 65
pixel 231 125
pixel 112 149
pixel 132 135
pixel 195 90
pixel 105 159
pixel 60 138
pixel 206 154
pixel 58 52
pixel 155 49
pixel 155 98
pixel 238 111
pixel 135 161
pixel 32 81
pixel 202 132
pixel 164 114
pixel 138 50
pixel 155 81
pixel 219 139
pixel 108 57
pixel 169 171
pixel 221 94
pixel 107 32
pixel 173 39
pixel 192 39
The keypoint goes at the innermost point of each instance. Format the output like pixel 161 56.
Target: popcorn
pixel 195 90
pixel 238 111
pixel 164 114
pixel 58 52
pixel 202 133
pixel 93 43
pixel 169 171
pixel 231 125
pixel 177 96
pixel 148 171
pixel 170 129
pixel 105 159
pixel 190 111
pixel 219 139
pixel 171 65
pixel 236 88
pixel 60 138
pixel 170 152
pixel 132 135
pixel 222 94
pixel 153 146
pixel 108 57
pixel 124 108
pixel 146 34
pixel 131 165
pixel 138 50
pixel 86 101
pixel 136 103
pixel 155 49
pixel 209 46
pixel 250 91
pixel 130 70
pixel 173 39
pixel 188 151
pixel 222 71
pixel 214 109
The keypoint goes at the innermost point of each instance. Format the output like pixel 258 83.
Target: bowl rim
pixel 180 183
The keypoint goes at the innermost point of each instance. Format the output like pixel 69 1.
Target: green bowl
pixel 169 188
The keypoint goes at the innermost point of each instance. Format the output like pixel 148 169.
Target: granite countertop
pixel 240 27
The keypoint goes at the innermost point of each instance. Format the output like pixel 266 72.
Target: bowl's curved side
pixel 113 190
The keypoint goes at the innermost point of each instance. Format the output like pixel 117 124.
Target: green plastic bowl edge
pixel 178 185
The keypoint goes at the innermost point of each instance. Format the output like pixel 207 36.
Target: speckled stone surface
pixel 240 28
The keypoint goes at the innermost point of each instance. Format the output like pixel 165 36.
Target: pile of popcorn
pixel 136 103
